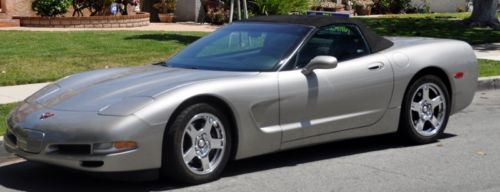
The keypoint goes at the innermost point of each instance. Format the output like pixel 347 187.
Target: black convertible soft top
pixel 376 42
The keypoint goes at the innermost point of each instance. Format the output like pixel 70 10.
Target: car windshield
pixel 242 47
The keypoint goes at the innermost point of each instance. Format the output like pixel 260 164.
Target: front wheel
pixel 197 145
pixel 425 110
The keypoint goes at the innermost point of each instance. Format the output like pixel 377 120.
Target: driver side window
pixel 341 41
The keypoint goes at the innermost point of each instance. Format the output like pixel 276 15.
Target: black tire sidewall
pixel 173 165
pixel 405 123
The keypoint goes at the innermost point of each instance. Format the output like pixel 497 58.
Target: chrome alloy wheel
pixel 428 109
pixel 203 143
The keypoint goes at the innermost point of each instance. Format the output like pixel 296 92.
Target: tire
pixel 424 116
pixel 197 145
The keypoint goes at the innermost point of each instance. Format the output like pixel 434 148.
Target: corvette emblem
pixel 46 115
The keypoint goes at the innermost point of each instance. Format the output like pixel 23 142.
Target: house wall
pixel 441 6
pixel 188 10
pixel 17 7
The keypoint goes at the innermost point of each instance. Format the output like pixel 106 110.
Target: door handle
pixel 375 67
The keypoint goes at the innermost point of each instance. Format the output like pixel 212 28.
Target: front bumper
pixel 39 140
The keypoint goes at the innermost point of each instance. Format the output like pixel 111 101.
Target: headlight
pixel 43 94
pixel 126 106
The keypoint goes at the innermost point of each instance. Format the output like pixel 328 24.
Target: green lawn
pixel 489 68
pixel 4 111
pixel 32 57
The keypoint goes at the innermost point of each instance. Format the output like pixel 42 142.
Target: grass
pixel 488 68
pixel 32 57
pixel 4 111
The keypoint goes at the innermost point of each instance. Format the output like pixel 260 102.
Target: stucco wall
pixel 186 10
pixel 442 5
pixel 17 7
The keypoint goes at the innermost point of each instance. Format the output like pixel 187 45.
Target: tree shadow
pixel 184 39
pixel 30 176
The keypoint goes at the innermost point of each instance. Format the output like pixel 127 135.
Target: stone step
pixel 9 23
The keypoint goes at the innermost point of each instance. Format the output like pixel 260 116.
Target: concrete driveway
pixel 466 159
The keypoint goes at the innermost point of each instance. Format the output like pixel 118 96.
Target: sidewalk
pixel 489 51
pixel 11 94
pixel 171 27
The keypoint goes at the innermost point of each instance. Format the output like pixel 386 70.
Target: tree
pixel 484 14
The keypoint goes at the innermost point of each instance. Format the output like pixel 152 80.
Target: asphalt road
pixel 466 159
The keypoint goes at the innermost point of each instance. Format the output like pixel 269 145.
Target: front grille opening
pixel 83 149
pixel 11 138
pixel 92 164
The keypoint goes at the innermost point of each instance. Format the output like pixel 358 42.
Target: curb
pixel 488 83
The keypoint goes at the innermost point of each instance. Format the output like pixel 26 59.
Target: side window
pixel 341 41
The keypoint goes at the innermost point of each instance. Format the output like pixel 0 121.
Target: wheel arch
pixel 436 71
pixel 219 104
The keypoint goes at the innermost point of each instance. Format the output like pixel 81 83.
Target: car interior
pixel 341 41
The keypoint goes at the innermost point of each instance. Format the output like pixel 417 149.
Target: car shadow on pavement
pixel 30 176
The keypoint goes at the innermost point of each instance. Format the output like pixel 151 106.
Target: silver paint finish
pixel 273 110
pixel 331 100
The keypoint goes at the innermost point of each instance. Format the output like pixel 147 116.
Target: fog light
pixel 114 147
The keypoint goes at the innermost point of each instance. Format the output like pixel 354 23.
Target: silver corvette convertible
pixel 254 87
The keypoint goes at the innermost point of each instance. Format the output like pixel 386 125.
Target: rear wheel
pixel 197 145
pixel 425 110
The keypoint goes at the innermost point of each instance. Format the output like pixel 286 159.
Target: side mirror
pixel 320 62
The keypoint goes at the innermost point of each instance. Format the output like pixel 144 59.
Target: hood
pixel 91 91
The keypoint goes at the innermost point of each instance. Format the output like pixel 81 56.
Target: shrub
pixel 399 6
pixel 422 6
pixel 391 6
pixel 51 8
pixel 165 6
pixel 382 7
pixel 215 12
pixel 280 7
pixel 363 3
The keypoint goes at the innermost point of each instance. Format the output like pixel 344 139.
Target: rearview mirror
pixel 320 62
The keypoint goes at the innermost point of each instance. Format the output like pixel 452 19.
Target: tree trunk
pixel 484 14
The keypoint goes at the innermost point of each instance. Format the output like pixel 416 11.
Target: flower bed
pixel 124 21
